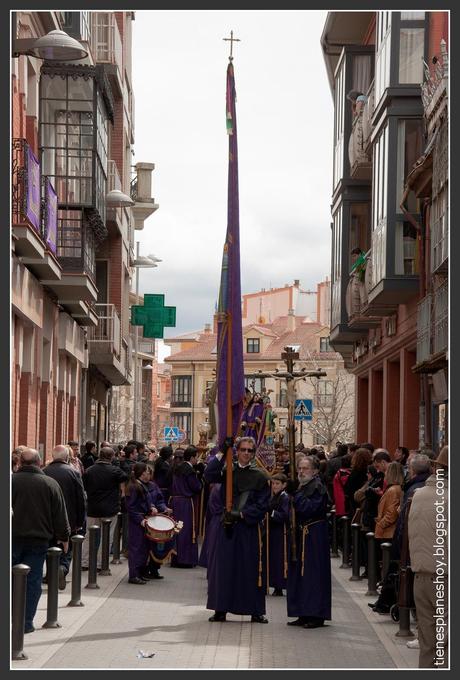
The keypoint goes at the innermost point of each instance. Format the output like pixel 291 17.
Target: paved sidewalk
pixel 169 618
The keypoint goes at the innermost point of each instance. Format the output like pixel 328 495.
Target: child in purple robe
pixel 278 534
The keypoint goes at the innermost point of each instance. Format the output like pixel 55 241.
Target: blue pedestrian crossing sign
pixel 171 434
pixel 303 409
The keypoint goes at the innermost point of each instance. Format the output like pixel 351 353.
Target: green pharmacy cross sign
pixel 153 316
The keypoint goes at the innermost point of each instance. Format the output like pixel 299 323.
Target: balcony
pixel 432 331
pixel 441 323
pixel 104 344
pixel 107 48
pixel 359 146
pixel 440 245
pixel 356 303
pixel 385 292
pixel 71 339
pixel 34 214
pixel 75 251
pixel 141 193
pixel 424 329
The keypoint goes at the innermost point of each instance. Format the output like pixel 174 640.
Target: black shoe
pixel 278 591
pixel 372 604
pixel 218 617
pixel 85 568
pixel 381 610
pixel 156 575
pixel 138 581
pixel 318 623
pixel 298 622
pixel 364 574
pixel 259 619
pixel 62 580
pixel 29 630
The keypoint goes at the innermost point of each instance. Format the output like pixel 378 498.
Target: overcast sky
pixel 284 115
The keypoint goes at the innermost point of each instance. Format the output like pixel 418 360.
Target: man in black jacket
pixel 74 495
pixel 102 484
pixel 39 518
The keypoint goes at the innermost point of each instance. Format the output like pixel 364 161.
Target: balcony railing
pixel 105 337
pixel 26 190
pixel 106 41
pixel 441 322
pixel 424 329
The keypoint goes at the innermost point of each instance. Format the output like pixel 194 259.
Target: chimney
pixel 207 327
pixel 290 320
pixel 214 325
pixel 296 283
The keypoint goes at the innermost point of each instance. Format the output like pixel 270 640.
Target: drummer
pixel 140 503
pixel 159 553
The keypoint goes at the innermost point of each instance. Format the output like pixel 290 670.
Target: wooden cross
pixel 232 40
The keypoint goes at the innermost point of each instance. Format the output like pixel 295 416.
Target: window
pixel 407 254
pixel 325 393
pixel 336 268
pixel 181 390
pixel 324 345
pixel 410 140
pixel 74 138
pixel 183 422
pixel 339 124
pixel 252 345
pixel 382 57
pixel 282 398
pixel 254 384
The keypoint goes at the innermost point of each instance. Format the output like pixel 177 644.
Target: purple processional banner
pixel 32 206
pixel 51 203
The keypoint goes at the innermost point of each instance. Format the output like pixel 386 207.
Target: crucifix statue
pixel 231 40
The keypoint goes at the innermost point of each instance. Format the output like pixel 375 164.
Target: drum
pixel 161 528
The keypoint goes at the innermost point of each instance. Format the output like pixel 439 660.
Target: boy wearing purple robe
pixel 185 491
pixel 158 552
pixel 309 577
pixel 278 534
pixel 237 574
pixel 138 506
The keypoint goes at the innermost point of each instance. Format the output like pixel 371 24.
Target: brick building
pixel 374 306
pixel 72 249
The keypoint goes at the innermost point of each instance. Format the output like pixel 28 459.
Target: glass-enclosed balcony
pixel 354 71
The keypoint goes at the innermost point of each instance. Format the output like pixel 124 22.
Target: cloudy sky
pixel 284 114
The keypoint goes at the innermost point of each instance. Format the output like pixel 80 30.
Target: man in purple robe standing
pixel 309 577
pixel 185 491
pixel 237 574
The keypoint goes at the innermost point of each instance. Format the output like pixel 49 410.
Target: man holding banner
pixel 237 574
pixel 235 579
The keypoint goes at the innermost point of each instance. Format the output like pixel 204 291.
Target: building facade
pixel 72 250
pixel 374 301
pixel 193 364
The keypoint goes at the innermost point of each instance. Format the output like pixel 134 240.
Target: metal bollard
pixel 75 601
pixel 404 623
pixel 345 542
pixel 371 564
pixel 124 533
pixel 116 540
pixel 386 547
pixel 94 532
pixel 334 551
pixel 52 571
pixel 105 549
pixel 20 572
pixel 355 554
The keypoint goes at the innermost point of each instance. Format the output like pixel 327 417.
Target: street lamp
pixel 54 46
pixel 141 262
pixel 117 199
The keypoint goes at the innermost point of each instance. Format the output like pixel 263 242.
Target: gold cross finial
pixel 232 40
